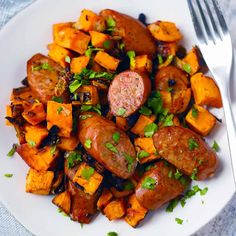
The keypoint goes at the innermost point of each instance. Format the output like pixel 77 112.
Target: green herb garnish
pixel 160 59
pixel 215 146
pixel 193 175
pixel 88 143
pixel 68 59
pixel 143 154
pixel 8 175
pixel 116 137
pixel 31 143
pixel 107 44
pixel 12 151
pixel 121 111
pixel 177 174
pixel 150 129
pixel 145 111
pixel 179 221
pixel 203 191
pixel 73 158
pixel 43 66
pixel 57 99
pixel 128 185
pixel 90 50
pixel 84 117
pixel 111 147
pixel 59 110
pixel 87 172
pixel 170 174
pixel 75 85
pixel 187 68
pixel 129 160
pixel 96 108
pixel 172 204
pixel 62 212
pixel 112 234
pixel 168 120
pixel 131 55
pixel 192 144
pixel 194 112
pixel 155 103
pixel 53 149
pixel 149 183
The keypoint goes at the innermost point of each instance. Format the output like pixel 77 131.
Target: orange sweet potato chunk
pixel 115 209
pixel 35 134
pixel 78 64
pixel 104 199
pixel 63 201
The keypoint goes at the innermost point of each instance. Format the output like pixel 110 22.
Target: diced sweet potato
pixel 60 114
pixel 165 31
pixel 88 178
pixel 66 36
pixel 205 91
pixel 21 95
pixel 38 159
pixel 145 146
pixel 39 182
pixel 99 40
pixel 122 123
pixel 59 54
pixel 88 20
pixel 63 201
pixel 87 94
pixel 192 60
pixel 104 199
pixel 78 64
pixel 167 49
pixel 106 61
pixel 35 113
pixel 142 63
pixel 8 114
pixel 141 123
pixel 68 144
pixel 202 121
pixel 135 212
pixel 35 134
pixel 115 209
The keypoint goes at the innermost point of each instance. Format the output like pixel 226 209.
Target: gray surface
pixel 223 224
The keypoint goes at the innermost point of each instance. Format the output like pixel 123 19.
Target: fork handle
pixel 231 129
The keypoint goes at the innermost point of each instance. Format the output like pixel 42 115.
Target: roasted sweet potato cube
pixel 122 123
pixel 99 40
pixel 143 64
pixel 60 114
pixel 104 199
pixel 78 64
pixel 141 123
pixel 115 209
pixel 35 134
pixel 21 95
pixel 88 178
pixel 68 144
pixel 63 201
pixel 35 113
pixel 66 36
pixel 192 60
pixel 106 61
pixel 205 91
pixel 145 150
pixel 38 159
pixel 87 94
pixel 88 20
pixel 167 49
pixel 39 182
pixel 135 212
pixel 59 54
pixel 165 31
pixel 200 120
pixel 8 114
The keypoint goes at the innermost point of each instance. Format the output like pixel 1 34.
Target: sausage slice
pixel 161 187
pixel 186 150
pixel 128 91
pixel 96 135
pixel 44 76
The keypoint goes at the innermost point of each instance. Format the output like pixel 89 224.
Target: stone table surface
pixel 223 224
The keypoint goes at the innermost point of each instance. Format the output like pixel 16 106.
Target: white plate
pixel 29 33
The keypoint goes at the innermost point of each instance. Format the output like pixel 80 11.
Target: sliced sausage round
pixel 128 91
pixel 107 144
pixel 186 150
pixel 157 187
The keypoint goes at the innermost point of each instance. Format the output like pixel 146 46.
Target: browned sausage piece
pixel 186 150
pixel 83 206
pixel 96 135
pixel 171 76
pixel 44 77
pixel 157 187
pixel 128 91
pixel 136 36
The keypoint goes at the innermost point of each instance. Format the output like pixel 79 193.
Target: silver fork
pixel 216 47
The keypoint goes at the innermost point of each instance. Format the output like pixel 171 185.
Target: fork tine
pixel 220 17
pixel 205 23
pixel 196 23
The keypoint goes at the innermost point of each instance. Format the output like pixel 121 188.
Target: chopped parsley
pixel 110 24
pixel 84 117
pixel 43 66
pixel 187 68
pixel 131 55
pixel 57 99
pixel 177 174
pixel 12 151
pixel 150 129
pixel 193 175
pixel 53 149
pixel 121 46
pixel 160 59
pixel 75 85
pixel 8 175
pixel 194 112
pixel 59 110
pixel 112 234
pixel 116 137
pixel 128 185
pixel 121 111
pixel 215 146
pixel 90 50
pixel 87 172
pixel 172 204
pixel 31 143
pixel 111 147
pixel 203 191
pixel 192 144
pixel 149 183
pixel 62 212
pixel 170 174
pixel 129 160
pixel 168 120
pixel 96 108
pixel 145 111
pixel 68 59
pixel 150 167
pixel 155 103
pixel 73 158
pixel 143 154
pixel 88 143
pixel 179 221
pixel 107 44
